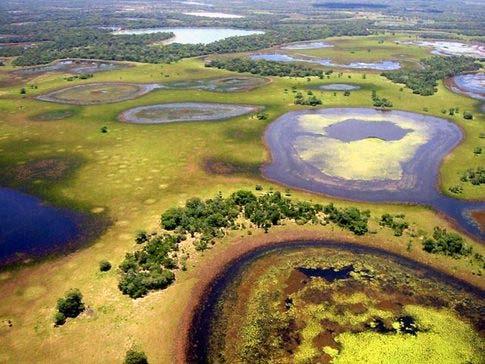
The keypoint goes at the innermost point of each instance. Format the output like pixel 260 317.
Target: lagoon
pixel 194 35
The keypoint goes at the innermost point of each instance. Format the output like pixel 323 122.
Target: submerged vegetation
pixel 380 311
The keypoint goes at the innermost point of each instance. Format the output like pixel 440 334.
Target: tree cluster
pixel 265 68
pixel 311 100
pixel 443 242
pixel 395 222
pixel 475 176
pixel 424 81
pixel 152 266
pixel 95 43
pixel 71 305
pixel 350 218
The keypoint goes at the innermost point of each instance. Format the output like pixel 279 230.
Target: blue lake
pixel 194 35
pixel 29 228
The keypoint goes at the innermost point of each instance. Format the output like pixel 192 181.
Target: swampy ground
pixel 322 305
pixel 131 174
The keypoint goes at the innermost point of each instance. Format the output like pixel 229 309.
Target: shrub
pixel 141 237
pixel 69 306
pixel 467 115
pixel 59 318
pixel 135 357
pixel 396 223
pixel 104 266
pixel 445 243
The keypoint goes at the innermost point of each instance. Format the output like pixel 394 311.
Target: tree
pixel 104 266
pixel 467 115
pixel 72 304
pixel 135 357
pixel 69 306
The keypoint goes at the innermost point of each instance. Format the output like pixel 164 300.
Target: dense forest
pixel 265 68
pixel 102 44
pixel 424 81
pixel 151 267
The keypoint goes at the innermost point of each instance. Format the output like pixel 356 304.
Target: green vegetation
pixel 380 101
pixel 396 223
pixel 104 266
pixel 467 115
pixel 446 243
pixel 135 357
pixel 424 81
pixel 101 44
pixel 311 100
pixel 264 68
pixel 475 176
pixel 149 268
pixel 349 218
pixel 381 312
pixel 71 305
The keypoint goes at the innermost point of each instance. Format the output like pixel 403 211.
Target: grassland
pixel 369 49
pixel 132 173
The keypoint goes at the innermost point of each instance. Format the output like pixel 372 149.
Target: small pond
pixel 194 35
pixel 279 57
pixel 30 228
pixel 338 87
pixel 98 93
pixel 369 289
pixel 187 111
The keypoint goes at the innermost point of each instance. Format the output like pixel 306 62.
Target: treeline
pixel 91 44
pixel 265 68
pixel 424 81
pixel 152 266
pixel 101 44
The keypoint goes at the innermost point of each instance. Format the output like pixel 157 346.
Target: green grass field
pixel 133 172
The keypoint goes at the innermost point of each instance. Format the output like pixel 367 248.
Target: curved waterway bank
pixel 374 166
pixel 199 331
pixel 470 84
